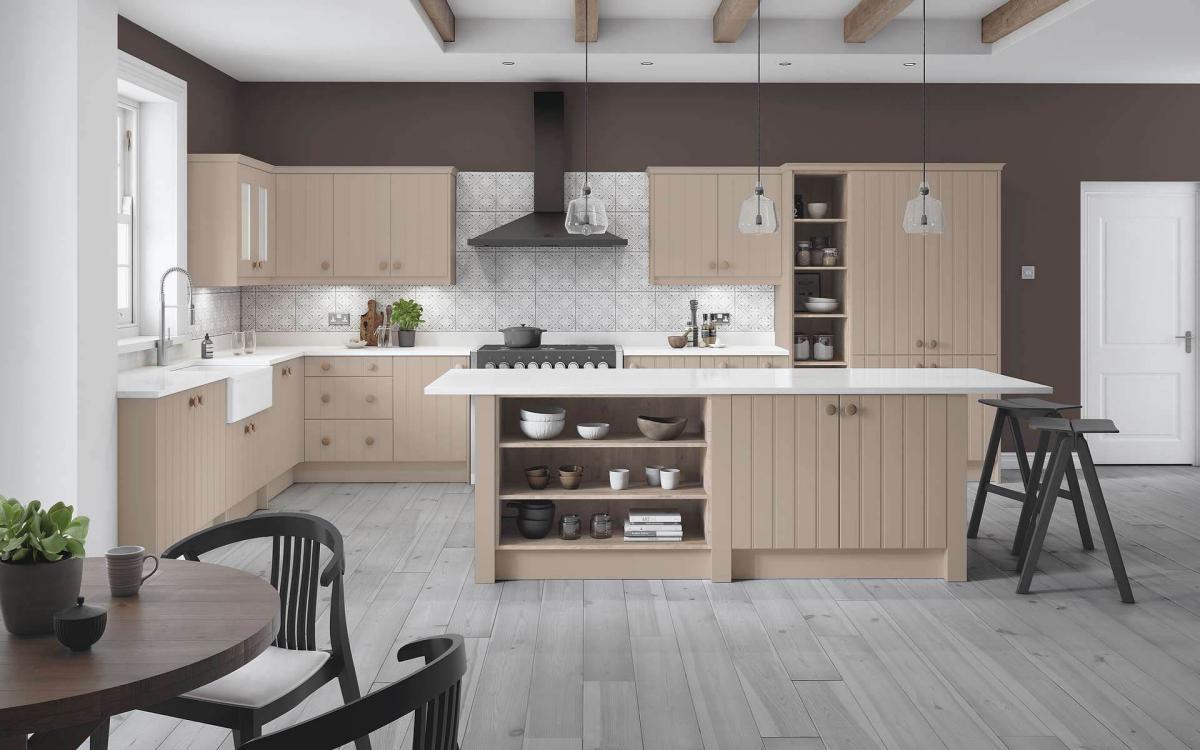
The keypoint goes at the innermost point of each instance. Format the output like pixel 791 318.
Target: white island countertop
pixel 711 382
pixel 736 350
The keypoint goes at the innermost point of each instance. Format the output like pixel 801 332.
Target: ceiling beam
pixel 869 17
pixel 731 18
pixel 1013 15
pixel 441 17
pixel 592 22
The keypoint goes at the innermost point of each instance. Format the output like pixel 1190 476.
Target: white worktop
pixel 705 382
pixel 724 351
pixel 157 382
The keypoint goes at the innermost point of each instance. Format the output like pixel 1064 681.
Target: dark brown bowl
pixel 662 428
pixel 537 481
pixel 570 481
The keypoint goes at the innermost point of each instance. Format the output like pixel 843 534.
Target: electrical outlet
pixel 1028 272
pixel 339 320
pixel 722 318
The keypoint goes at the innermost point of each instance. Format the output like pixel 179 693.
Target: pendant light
pixel 924 214
pixel 586 214
pixel 758 211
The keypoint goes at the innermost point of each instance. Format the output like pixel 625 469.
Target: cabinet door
pixel 256 223
pixel 176 485
pixel 208 426
pixel 422 227
pixel 361 225
pixel 962 266
pixel 683 226
pixel 287 419
pixel 747 256
pixel 428 428
pixel 887 267
pixel 304 225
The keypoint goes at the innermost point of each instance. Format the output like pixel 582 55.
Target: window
pixel 127 116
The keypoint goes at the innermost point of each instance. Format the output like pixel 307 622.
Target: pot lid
pixel 80 611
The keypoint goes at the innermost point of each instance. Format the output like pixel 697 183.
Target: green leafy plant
pixel 406 314
pixel 30 534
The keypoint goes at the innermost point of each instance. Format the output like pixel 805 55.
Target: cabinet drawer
pixel 348 440
pixel 315 367
pixel 348 398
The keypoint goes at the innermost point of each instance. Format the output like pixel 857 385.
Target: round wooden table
pixel 192 623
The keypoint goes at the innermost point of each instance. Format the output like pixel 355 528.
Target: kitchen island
pixel 785 474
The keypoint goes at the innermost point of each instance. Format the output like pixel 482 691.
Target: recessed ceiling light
pixel 507 62
pixel 910 65
pixel 785 63
pixel 647 62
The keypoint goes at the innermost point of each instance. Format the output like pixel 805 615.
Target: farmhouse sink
pixel 247 388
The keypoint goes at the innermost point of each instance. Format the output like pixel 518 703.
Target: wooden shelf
pixel 819 268
pixel 687 440
pixel 511 541
pixel 819 363
pixel 820 315
pixel 598 491
pixel 819 221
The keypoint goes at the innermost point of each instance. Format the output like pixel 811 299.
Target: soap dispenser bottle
pixel 206 347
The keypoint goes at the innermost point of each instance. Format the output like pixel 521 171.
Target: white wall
pixel 57 249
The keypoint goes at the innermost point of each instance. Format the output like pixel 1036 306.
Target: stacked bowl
pixel 535 519
pixel 543 422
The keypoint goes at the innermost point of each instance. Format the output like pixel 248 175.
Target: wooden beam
pixel 1013 15
pixel 593 20
pixel 441 17
pixel 869 17
pixel 731 18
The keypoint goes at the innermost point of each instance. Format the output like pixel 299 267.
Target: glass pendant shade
pixel 924 214
pixel 758 214
pixel 586 214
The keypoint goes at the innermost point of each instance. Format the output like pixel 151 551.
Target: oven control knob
pixel 603 365
pixel 505 366
pixel 546 365
pixel 572 365
pixel 518 365
pixel 489 366
pixel 560 365
pixel 589 365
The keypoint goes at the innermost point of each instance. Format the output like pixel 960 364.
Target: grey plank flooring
pixel 773 665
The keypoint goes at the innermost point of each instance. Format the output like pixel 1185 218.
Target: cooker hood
pixel 546 226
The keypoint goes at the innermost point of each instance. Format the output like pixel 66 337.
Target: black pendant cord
pixel 758 104
pixel 586 78
pixel 924 144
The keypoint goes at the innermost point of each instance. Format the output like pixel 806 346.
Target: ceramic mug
pixel 652 475
pixel 125 566
pixel 669 478
pixel 618 479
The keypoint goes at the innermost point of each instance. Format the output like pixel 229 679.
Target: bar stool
pixel 1069 438
pixel 1012 411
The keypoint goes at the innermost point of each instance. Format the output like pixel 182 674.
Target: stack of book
pixel 650 525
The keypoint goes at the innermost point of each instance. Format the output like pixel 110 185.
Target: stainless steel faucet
pixel 162 311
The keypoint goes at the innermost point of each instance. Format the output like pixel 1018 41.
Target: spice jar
pixel 802 351
pixel 601 526
pixel 568 526
pixel 823 348
pixel 830 256
pixel 804 253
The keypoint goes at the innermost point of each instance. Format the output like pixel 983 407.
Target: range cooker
pixel 547 357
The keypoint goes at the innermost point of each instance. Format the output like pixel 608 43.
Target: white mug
pixel 125 566
pixel 669 478
pixel 618 479
pixel 652 475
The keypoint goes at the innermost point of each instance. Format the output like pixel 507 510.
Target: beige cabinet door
pixel 256 223
pixel 177 466
pixel 422 227
pixel 304 225
pixel 208 427
pixel 287 419
pixel 747 256
pixel 683 227
pixel 428 428
pixel 361 225
pixel 962 266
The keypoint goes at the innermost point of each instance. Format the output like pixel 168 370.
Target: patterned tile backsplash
pixel 559 289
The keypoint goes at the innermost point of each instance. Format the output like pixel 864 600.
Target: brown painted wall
pixel 212 95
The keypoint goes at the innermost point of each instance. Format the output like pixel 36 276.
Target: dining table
pixel 191 623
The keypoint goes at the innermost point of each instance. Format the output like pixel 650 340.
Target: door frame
pixel 1136 187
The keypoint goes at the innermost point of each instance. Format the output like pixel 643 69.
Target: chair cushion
pixel 271 675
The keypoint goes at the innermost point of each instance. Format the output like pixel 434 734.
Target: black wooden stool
pixel 1069 439
pixel 1012 411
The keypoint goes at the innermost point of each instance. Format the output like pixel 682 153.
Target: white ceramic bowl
pixel 542 430
pixel 822 299
pixel 818 210
pixel 543 414
pixel 821 307
pixel 592 430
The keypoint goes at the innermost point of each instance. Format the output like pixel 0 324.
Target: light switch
pixel 722 318
pixel 339 320
pixel 1028 272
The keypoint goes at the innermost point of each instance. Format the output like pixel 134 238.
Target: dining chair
pixel 431 694
pixel 292 667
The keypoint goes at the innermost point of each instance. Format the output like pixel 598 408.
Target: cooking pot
pixel 522 336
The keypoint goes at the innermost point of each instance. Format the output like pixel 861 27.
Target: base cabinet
pixel 429 428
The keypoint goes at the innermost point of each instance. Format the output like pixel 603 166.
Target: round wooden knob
pixel 723 365
pixel 933 364
pixel 370 440
pixel 246 430
pixel 383 265
pixel 851 409
pixel 200 400
pixel 712 264
pixel 325 441
pixel 372 367
pixel 192 401
pixel 768 364
pixel 724 264
pixel 933 343
pixel 920 343
pixel 920 364
pixel 397 265
pixel 324 265
pixel 830 409
pixel 325 366
pixel 370 398
pixel 324 398
pixel 253 427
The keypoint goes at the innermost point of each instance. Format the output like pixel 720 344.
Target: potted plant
pixel 406 316
pixel 41 563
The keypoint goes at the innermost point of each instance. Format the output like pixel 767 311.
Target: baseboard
pixel 1008 460
pixel 382 471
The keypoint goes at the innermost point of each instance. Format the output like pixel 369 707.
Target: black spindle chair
pixel 431 694
pixel 292 668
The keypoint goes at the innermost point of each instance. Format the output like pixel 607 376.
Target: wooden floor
pixel 776 665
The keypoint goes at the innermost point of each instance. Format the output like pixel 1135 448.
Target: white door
pixel 1139 304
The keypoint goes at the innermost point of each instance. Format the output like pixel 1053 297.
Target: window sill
pixel 131 344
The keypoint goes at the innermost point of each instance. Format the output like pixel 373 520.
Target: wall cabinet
pixel 231 219
pixel 304 225
pixel 429 428
pixel 422 227
pixel 693 228
pixel 362 225
pixel 830 472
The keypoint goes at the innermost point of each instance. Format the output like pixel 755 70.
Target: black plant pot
pixel 406 338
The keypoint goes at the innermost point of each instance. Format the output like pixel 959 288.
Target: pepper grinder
pixel 695 330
